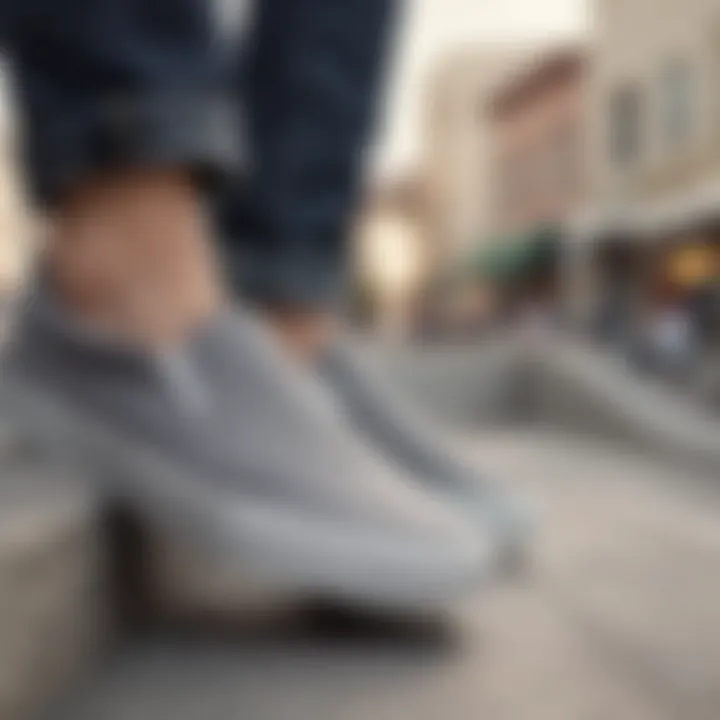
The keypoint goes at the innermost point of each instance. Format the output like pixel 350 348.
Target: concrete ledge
pixel 579 389
pixel 464 385
pixel 561 383
pixel 53 617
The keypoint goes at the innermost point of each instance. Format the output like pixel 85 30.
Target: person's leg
pixel 310 82
pixel 124 113
pixel 211 432
pixel 312 88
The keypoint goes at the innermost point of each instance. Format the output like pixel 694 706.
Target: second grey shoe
pixel 399 430
pixel 223 440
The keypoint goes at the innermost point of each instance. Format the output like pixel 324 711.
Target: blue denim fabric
pixel 105 84
pixel 110 83
pixel 308 79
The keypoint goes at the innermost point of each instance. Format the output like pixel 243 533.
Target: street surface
pixel 620 620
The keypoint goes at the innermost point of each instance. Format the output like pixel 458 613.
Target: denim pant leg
pixel 308 80
pixel 106 84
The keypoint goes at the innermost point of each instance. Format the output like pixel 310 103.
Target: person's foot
pixel 384 416
pixel 221 438
pixel 302 333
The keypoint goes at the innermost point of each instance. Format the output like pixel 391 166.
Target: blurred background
pixel 552 163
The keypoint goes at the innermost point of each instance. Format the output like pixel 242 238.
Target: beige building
pixel 458 148
pixel 656 100
pixel 539 127
pixel 654 149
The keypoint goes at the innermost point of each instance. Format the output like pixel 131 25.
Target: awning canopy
pixel 648 221
pixel 516 257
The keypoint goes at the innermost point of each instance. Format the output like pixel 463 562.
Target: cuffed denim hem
pixel 299 285
pixel 194 132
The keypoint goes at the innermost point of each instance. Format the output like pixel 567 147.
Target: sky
pixel 433 27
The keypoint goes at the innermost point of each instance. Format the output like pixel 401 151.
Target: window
pixel 626 124
pixel 676 95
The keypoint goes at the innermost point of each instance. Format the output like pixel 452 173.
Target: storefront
pixel 692 264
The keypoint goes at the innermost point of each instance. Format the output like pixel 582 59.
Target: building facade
pixel 655 102
pixel 458 148
pixel 654 149
pixel 539 131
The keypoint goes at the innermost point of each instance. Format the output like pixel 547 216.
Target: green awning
pixel 515 257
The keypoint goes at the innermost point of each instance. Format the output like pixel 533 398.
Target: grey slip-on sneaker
pixel 401 431
pixel 222 439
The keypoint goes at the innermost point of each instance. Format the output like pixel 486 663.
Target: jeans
pixel 108 84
